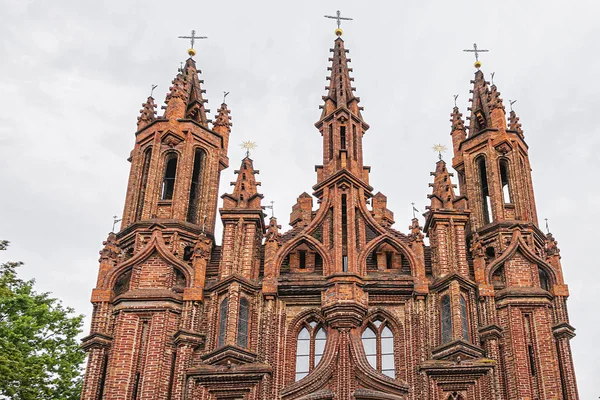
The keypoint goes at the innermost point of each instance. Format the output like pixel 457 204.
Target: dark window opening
pixel 388 259
pixel 143 184
pixel 103 377
pixel 188 252
pixel 544 279
pixel 302 259
pixel 195 187
pixel 531 359
pixel 171 375
pixel 504 179
pixel 136 385
pixel 498 280
pixel 486 203
pixel 490 252
pixel 354 142
pixel 344 235
pixel 342 137
pixel 222 322
pixel 243 187
pixel 180 281
pixel 330 141
pixel 122 283
pixel 446 319
pixel 243 320
pixel 169 179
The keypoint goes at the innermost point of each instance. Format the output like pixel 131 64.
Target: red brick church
pixel 342 305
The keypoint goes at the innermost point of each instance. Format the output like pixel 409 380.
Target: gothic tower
pixel 342 305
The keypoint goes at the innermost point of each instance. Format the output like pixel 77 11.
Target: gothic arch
pixel 518 244
pixel 157 244
pixel 394 242
pixel 309 241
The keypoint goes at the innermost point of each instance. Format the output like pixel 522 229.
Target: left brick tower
pixel 149 294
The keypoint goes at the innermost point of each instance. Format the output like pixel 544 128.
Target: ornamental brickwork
pixel 342 305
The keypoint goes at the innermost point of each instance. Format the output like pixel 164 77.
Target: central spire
pixel 341 123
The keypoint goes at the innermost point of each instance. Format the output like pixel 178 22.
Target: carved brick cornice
pixel 563 330
pixel 225 283
pixel 95 341
pixel 492 331
pixel 445 281
pixel 229 355
pixel 457 348
pixel 228 381
pixel 185 337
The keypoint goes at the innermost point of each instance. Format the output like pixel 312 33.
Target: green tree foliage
pixel 40 357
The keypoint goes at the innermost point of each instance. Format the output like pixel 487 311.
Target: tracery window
pixel 464 318
pixel 310 347
pixel 243 321
pixel 378 342
pixel 446 312
pixel 222 322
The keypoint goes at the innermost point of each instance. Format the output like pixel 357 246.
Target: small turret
pixel 147 113
pixel 222 124
pixel 245 193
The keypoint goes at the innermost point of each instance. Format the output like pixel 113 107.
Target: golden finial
pixel 476 51
pixel 439 148
pixel 339 18
pixel 192 38
pixel 248 145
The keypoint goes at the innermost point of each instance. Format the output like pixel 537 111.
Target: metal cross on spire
pixel 455 97
pixel 115 221
pixel 152 90
pixel 192 38
pixel 511 102
pixel 224 96
pixel 338 17
pixel 272 208
pixel 476 51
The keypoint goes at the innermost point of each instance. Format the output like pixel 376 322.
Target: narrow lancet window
pixel 378 342
pixel 544 279
pixel 195 187
pixel 168 186
pixel 354 142
pixel 330 141
pixel 344 234
pixel 243 321
pixel 222 322
pixel 342 137
pixel 143 184
pixel 486 203
pixel 504 179
pixel 446 314
pixel 464 318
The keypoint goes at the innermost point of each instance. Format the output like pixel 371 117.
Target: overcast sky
pixel 73 75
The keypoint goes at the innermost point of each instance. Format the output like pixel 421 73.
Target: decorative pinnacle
pixel 439 148
pixel 248 145
pixel 476 51
pixel 192 38
pixel 339 18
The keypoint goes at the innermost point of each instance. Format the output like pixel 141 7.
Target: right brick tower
pixel 522 294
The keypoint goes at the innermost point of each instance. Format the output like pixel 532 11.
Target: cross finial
pixel 455 97
pixel 192 38
pixel 152 90
pixel 476 51
pixel 248 145
pixel 547 228
pixel 224 95
pixel 511 102
pixel 115 221
pixel 338 17
pixel 414 210
pixel 272 208
pixel 439 148
pixel 493 73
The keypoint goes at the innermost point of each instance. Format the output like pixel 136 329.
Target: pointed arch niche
pixel 303 258
pixel 388 257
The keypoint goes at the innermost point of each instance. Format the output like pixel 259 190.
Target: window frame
pixel 315 355
pixel 246 344
pixel 378 325
pixel 171 180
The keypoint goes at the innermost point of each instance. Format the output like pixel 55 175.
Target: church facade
pixel 342 305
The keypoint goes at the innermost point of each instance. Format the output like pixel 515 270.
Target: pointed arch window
pixel 168 186
pixel 310 347
pixel 195 187
pixel 486 202
pixel 143 184
pixel 378 342
pixel 446 314
pixel 243 321
pixel 504 180
pixel 222 322
pixel 464 318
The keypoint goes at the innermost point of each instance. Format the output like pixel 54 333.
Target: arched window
pixel 498 278
pixel 446 313
pixel 464 318
pixel 486 203
pixel 122 284
pixel 169 180
pixel 195 187
pixel 544 279
pixel 222 322
pixel 143 184
pixel 309 348
pixel 504 179
pixel 243 320
pixel 378 342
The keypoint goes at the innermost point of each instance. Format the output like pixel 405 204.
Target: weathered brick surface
pixel 161 285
